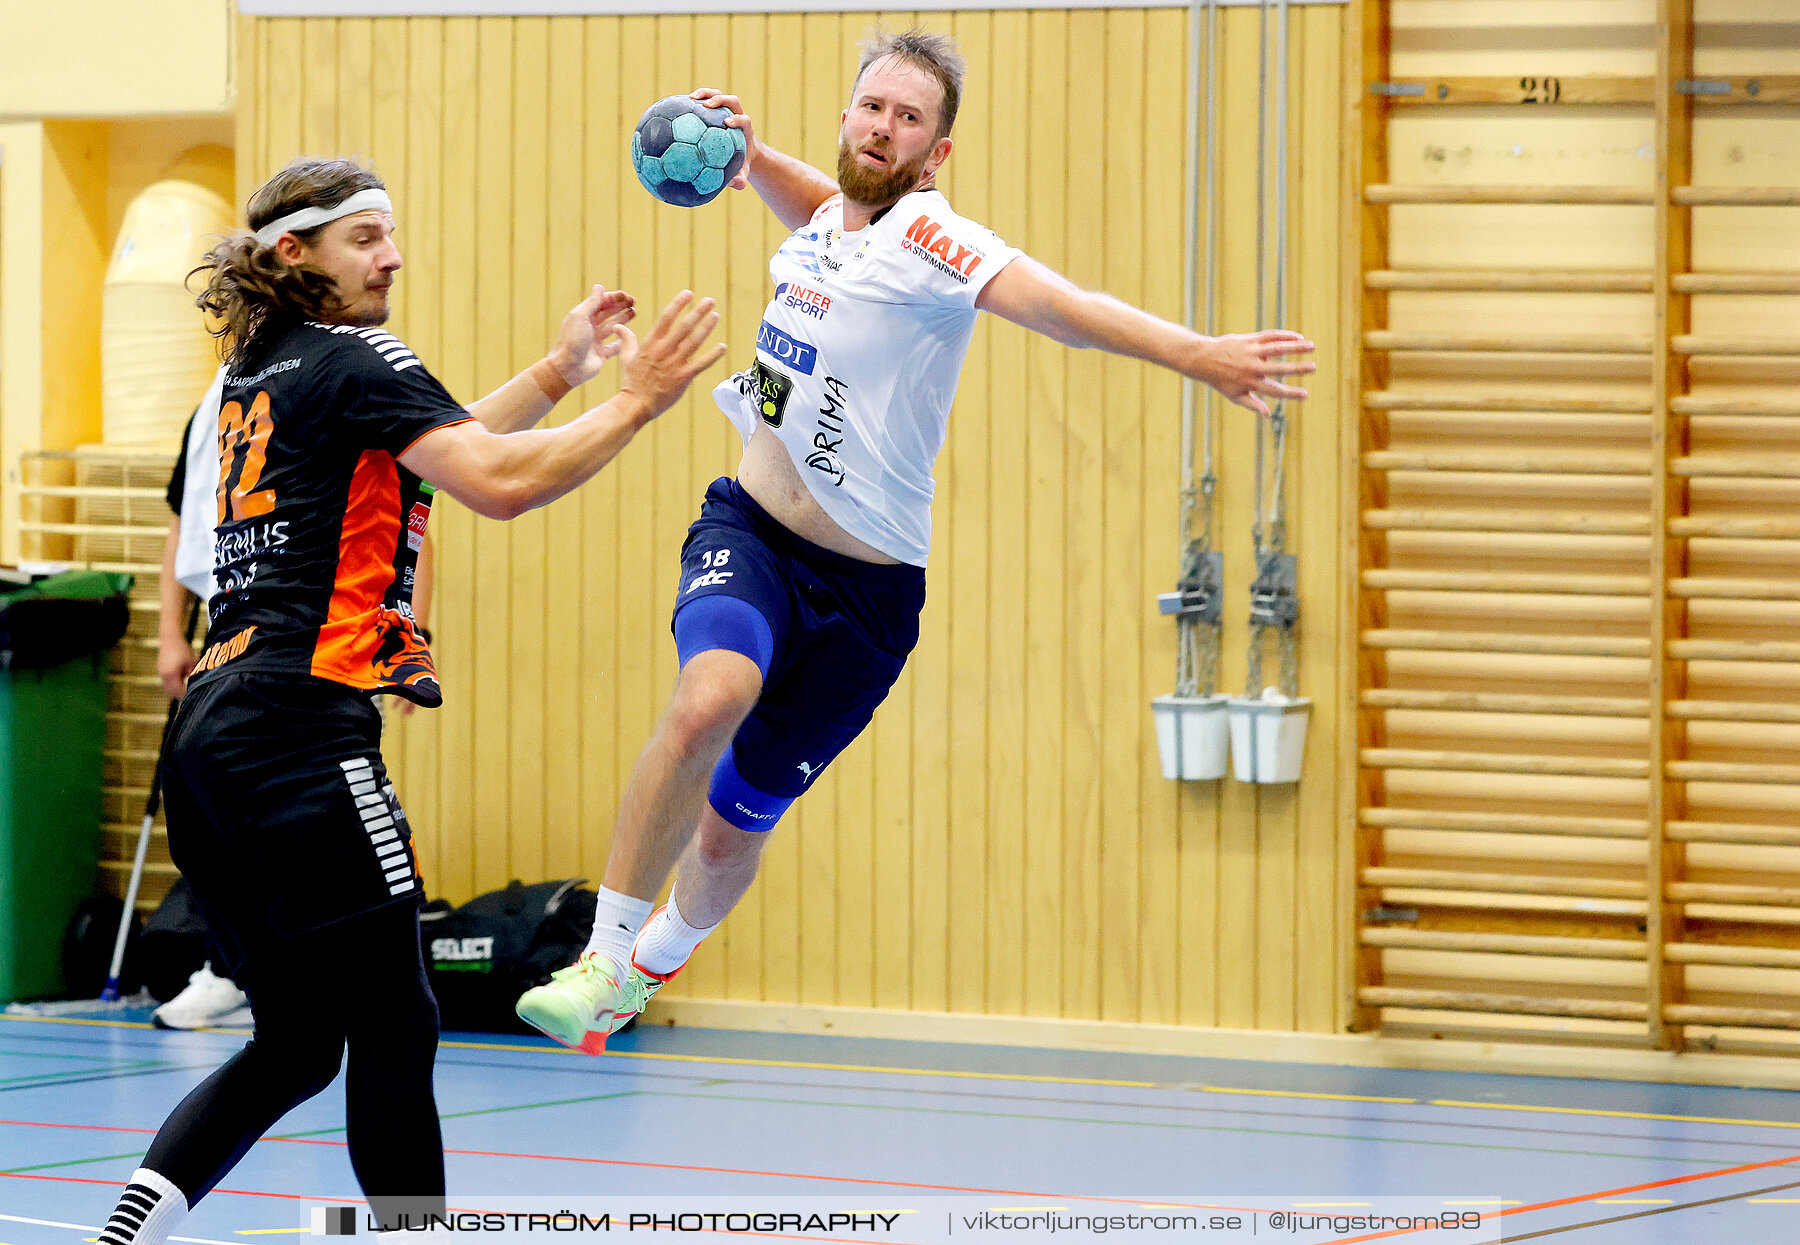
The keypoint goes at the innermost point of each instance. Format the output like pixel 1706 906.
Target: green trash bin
pixel 55 640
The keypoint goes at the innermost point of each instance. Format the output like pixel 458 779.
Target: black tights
pixel 359 983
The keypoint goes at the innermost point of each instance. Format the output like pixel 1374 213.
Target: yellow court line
pixel 974 1076
pixel 77 1020
pixel 854 1067
pixel 1619 1115
pixel 117 1024
pixel 753 1063
pixel 1015 1076
pixel 1298 1093
pixel 819 1067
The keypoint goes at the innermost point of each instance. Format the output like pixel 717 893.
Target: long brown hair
pixel 249 288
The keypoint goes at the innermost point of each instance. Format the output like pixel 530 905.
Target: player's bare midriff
pixel 767 474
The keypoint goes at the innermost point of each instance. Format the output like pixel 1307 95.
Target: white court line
pixel 83 1227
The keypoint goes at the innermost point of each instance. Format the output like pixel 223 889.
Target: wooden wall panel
pixel 1046 230
pixel 1320 924
pixel 1159 817
pixel 465 744
pixel 1490 765
pixel 1001 840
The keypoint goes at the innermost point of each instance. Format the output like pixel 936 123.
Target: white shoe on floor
pixel 209 1002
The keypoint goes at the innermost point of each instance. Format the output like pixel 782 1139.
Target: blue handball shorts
pixel 839 632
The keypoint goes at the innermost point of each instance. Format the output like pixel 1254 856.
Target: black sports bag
pixel 482 956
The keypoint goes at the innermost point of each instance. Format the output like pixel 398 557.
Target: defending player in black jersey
pixel 332 438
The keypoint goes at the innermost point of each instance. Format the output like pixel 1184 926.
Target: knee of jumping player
pixel 725 646
pixel 740 804
pixel 716 691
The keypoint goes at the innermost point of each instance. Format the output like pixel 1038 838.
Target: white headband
pixel 312 217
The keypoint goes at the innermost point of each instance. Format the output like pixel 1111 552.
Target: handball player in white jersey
pixel 803 579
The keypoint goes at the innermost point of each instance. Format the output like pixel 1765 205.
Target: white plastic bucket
pixel 1268 737
pixel 1191 735
pixel 156 358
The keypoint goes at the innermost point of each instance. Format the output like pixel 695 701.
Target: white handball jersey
pixel 858 356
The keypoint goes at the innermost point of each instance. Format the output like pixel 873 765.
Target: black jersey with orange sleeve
pixel 319 526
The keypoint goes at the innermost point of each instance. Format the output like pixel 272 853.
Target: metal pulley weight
pixel 1200 593
pixel 1274 594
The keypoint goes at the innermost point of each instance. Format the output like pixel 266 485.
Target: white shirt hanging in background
pixel 199 496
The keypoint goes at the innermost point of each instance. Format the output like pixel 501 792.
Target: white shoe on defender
pixel 208 1002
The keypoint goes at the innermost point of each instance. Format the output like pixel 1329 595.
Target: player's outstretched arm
pixel 1245 367
pixel 792 188
pixel 587 339
pixel 502 476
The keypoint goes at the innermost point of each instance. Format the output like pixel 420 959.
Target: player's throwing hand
pixel 712 97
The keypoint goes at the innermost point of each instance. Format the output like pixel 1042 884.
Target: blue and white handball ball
pixel 685 153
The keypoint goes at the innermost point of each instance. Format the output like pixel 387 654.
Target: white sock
pixel 617 919
pixel 149 1209
pixel 667 941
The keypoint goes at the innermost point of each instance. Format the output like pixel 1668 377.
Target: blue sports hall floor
pixel 689 1117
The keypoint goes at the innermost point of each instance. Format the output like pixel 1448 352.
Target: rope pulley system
pixel 1265 727
pixel 1198 601
pixel 1274 599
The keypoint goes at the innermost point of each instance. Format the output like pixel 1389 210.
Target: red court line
pixel 864 1180
pixel 97 1128
pixel 1585 1197
pixel 679 1166
pixel 114 1128
pixel 301 1197
pixel 783 1236
pixel 120 1184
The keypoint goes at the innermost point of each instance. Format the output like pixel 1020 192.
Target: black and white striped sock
pixel 149 1209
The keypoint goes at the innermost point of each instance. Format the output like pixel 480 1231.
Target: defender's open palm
pixel 659 369
pixel 1246 367
pixel 589 337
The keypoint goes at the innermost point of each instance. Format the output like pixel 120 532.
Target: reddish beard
pixel 876 187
